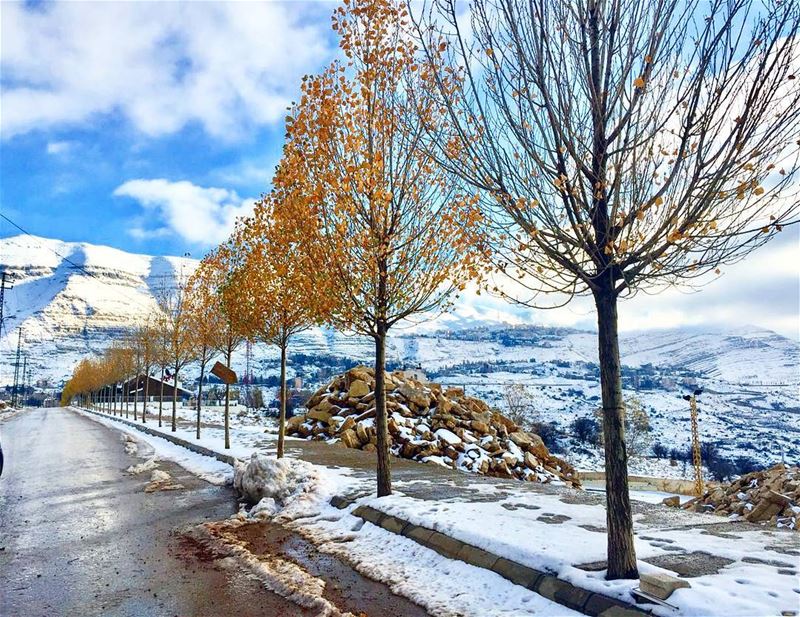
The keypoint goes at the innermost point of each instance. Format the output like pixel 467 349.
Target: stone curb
pixel 225 458
pixel 547 585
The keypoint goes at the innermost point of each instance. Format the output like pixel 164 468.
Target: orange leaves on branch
pixel 386 222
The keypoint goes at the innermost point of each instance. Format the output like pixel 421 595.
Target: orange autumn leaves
pixel 393 231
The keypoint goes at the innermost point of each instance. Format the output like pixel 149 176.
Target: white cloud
pixel 202 216
pixel 57 148
pixel 225 65
pixel 247 171
pixel 763 290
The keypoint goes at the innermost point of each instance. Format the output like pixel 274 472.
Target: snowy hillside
pixel 73 299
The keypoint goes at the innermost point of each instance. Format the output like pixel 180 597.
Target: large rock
pixel 350 439
pixel 537 446
pixel 358 389
pixel 318 414
pixel 522 439
pixel 361 433
pixel 415 394
pixel 349 423
pixel 661 585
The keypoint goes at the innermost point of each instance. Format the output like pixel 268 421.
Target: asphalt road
pixel 79 536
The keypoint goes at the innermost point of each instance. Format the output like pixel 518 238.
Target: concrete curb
pixel 225 458
pixel 551 587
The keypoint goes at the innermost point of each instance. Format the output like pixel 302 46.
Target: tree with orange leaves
pixel 216 273
pixel 179 347
pixel 278 287
pixel 394 232
pixel 206 320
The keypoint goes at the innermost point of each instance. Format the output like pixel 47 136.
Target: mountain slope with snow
pixel 71 299
pixel 74 299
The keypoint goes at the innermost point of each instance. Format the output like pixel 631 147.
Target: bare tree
pixel 179 340
pixel 519 402
pixel 620 146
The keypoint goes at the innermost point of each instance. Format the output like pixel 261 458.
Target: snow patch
pixel 147 465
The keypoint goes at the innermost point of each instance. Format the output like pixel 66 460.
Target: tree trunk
pixel 126 395
pixel 146 396
pixel 227 401
pixel 621 551
pixel 161 397
pixel 200 391
pixel 381 424
pixel 282 415
pixel 114 398
pixel 174 398
pixel 135 394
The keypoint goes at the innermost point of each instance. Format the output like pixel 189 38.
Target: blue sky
pixel 150 126
pixel 116 116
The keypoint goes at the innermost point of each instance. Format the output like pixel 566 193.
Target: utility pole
pixel 6 282
pixel 24 379
pixel 16 371
pixel 697 458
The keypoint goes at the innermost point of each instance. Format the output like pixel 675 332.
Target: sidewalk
pixel 734 568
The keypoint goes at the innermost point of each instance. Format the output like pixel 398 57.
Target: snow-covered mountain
pixel 72 299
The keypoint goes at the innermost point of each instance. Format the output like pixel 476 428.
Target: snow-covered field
pixel 757 422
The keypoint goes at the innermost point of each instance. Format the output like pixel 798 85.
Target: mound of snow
pixel 279 480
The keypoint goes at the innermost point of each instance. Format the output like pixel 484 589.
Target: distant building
pixel 415 373
pixel 135 389
pixel 668 383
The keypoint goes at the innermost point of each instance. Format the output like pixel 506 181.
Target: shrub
pixel 721 469
pixel 586 430
pixel 549 433
pixel 745 465
pixel 660 450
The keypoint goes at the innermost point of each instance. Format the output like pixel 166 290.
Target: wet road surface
pixel 79 536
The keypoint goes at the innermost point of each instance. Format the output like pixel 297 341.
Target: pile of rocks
pixel 769 497
pixel 429 423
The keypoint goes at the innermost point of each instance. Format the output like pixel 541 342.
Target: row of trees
pixel 186 326
pixel 575 148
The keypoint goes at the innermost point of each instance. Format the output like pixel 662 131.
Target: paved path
pixel 79 536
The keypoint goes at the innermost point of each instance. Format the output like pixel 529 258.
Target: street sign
pixel 224 373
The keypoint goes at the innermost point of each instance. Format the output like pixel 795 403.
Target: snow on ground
pixel 442 586
pixel 529 529
pixel 552 532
